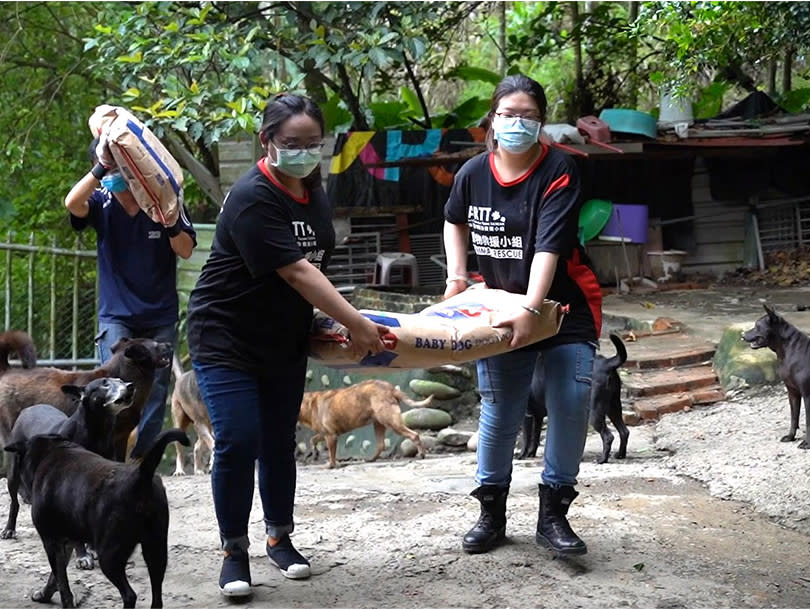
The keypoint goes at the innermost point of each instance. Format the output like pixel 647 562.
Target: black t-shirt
pixel 510 221
pixel 242 313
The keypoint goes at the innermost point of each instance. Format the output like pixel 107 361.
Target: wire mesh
pixel 50 291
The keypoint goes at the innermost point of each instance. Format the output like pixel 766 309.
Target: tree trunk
pixel 313 84
pixel 787 68
pixel 632 17
pixel 772 77
pixel 359 122
pixel 577 45
pixel 502 56
pixel 427 124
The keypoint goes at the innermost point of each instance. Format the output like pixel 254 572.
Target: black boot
pixel 491 526
pixel 553 529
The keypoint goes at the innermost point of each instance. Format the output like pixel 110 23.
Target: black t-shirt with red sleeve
pixel 511 221
pixel 241 313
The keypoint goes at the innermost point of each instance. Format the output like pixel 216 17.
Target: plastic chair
pixel 391 261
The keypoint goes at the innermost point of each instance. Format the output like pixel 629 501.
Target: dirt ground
pixel 387 535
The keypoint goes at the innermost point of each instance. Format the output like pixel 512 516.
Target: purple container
pixel 628 222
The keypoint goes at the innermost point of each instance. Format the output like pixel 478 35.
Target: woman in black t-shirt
pixel 249 319
pixel 519 204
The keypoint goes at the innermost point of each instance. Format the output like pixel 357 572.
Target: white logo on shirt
pixel 154 234
pixel 315 257
pixel 304 234
pixel 488 229
pixel 485 220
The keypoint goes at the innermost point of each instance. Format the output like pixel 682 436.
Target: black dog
pixel 78 496
pixel 792 348
pixel 90 426
pixel 132 360
pixel 605 402
pixel 535 412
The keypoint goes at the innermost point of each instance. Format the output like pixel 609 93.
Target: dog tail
pixel 621 352
pixel 150 461
pixel 20 342
pixel 402 397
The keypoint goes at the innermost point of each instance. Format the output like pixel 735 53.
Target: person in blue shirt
pixel 137 267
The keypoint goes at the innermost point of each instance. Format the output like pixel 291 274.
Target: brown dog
pixel 188 408
pixel 133 360
pixel 332 412
pixel 20 342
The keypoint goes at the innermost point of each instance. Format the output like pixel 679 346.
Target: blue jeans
pixel 504 382
pixel 154 409
pixel 253 418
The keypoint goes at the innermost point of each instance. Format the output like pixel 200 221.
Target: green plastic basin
pixel 593 217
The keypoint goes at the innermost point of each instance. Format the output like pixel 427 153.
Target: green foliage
pixel 44 105
pixel 732 41
pixel 710 101
pixel 198 72
pixel 470 73
pixel 186 67
pixel 335 115
pixel 797 100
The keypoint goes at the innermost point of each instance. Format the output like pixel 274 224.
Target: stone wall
pixel 395 299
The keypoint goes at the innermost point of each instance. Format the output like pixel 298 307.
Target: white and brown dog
pixel 188 409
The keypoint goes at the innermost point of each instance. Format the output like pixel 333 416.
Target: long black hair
pixel 514 83
pixel 280 108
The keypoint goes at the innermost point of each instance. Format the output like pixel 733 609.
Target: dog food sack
pixel 153 176
pixel 453 331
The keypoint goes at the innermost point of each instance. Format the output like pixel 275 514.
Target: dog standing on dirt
pixel 330 413
pixel 90 426
pixel 792 349
pixel 605 402
pixel 80 497
pixel 188 408
pixel 133 360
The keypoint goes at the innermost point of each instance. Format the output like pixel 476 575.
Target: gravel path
pixel 734 448
pixel 708 510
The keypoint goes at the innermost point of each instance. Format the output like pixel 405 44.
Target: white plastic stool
pixel 386 261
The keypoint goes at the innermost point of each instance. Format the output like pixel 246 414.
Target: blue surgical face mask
pixel 515 134
pixel 296 162
pixel 114 182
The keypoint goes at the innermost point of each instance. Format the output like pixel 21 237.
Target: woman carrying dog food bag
pixel 519 203
pixel 249 320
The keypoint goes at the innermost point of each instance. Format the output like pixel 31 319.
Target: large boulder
pixel 442 391
pixel 734 360
pixel 453 438
pixel 425 418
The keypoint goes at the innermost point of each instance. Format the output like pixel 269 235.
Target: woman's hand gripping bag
pixel 452 331
pixel 153 176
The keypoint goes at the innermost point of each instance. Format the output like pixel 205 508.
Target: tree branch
pixel 415 82
pixel 205 179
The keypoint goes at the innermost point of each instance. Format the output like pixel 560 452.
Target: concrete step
pixel 664 350
pixel 652 408
pixel 695 355
pixel 650 382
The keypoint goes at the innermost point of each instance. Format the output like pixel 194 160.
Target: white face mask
pixel 515 134
pixel 296 162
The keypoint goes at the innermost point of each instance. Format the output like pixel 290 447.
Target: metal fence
pixel 50 291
